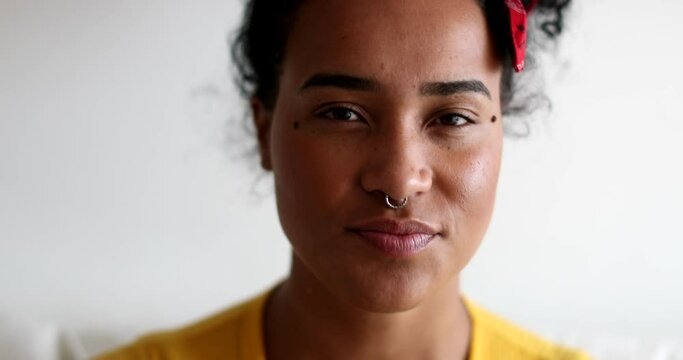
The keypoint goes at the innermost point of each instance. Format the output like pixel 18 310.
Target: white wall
pixel 126 205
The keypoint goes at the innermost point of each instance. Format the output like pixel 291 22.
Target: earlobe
pixel 262 120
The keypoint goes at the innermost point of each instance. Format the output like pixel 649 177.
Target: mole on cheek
pixel 494 119
pixel 295 125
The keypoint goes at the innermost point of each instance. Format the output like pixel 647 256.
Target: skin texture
pixel 335 151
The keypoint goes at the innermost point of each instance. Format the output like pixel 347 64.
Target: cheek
pixel 480 178
pixel 312 178
pixel 470 185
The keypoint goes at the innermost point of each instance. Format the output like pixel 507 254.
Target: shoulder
pixel 496 338
pixel 229 334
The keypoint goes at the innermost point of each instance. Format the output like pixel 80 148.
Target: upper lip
pixel 396 227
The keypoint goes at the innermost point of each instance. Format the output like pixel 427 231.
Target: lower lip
pixel 397 245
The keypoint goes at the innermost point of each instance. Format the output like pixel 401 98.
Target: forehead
pixel 392 40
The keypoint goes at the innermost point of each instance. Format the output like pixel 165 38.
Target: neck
pixel 304 320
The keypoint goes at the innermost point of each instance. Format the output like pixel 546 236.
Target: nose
pixel 398 165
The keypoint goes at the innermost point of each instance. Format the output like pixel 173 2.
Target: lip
pixel 396 238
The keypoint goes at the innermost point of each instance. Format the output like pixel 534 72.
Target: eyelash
pixel 327 113
pixel 468 120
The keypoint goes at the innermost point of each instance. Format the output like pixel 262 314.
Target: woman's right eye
pixel 340 113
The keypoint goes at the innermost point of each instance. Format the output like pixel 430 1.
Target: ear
pixel 262 118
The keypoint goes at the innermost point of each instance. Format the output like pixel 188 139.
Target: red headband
pixel 518 27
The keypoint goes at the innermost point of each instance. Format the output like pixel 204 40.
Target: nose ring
pixel 402 204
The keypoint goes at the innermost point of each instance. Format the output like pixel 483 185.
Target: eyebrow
pixel 454 87
pixel 342 81
pixel 349 82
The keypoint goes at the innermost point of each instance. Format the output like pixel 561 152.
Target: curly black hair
pixel 257 50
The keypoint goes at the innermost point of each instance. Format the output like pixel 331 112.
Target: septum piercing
pixel 387 200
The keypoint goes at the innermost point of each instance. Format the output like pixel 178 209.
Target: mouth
pixel 396 238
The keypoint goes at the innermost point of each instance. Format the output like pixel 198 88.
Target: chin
pixel 362 278
pixel 386 292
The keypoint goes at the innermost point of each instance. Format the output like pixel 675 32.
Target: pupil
pixel 454 119
pixel 343 114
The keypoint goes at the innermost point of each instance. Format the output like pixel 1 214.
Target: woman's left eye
pixel 454 119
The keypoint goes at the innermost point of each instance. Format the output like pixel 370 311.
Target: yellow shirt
pixel 236 334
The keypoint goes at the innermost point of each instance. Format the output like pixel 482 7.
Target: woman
pixel 382 122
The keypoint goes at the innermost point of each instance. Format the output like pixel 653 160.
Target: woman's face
pixel 375 97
